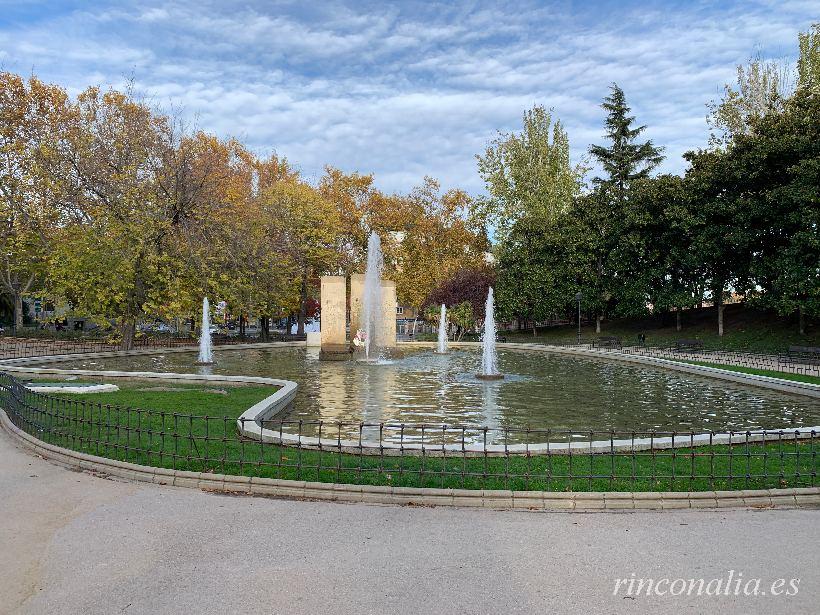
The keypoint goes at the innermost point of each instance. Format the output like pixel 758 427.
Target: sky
pixel 408 89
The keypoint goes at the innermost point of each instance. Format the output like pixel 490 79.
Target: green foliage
pixel 528 174
pixel 808 62
pixel 624 160
pixel 461 316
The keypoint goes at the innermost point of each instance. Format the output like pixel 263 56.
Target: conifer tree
pixel 624 160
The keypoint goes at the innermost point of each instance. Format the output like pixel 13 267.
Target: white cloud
pixel 410 89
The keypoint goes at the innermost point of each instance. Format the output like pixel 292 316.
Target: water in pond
pixel 542 390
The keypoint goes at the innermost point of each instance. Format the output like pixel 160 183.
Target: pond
pixel 542 390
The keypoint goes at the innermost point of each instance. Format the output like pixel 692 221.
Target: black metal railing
pixel 18 347
pixel 788 363
pixel 416 455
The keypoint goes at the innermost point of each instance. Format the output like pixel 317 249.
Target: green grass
pixel 759 372
pixel 744 329
pixel 202 400
pixel 165 438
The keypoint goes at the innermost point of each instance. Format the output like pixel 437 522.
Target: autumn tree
pixel 433 240
pixel 142 184
pixel 306 227
pixel 31 116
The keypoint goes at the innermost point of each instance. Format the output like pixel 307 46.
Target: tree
pixel 608 218
pixel 777 178
pixel 436 239
pixel 468 285
pixel 528 174
pixel 307 228
pixel 31 115
pixel 654 258
pixel 141 187
pixel 625 160
pixel 762 86
pixel 536 271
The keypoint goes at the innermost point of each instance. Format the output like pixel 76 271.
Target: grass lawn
pixel 759 372
pixel 170 436
pixel 744 329
pixel 164 396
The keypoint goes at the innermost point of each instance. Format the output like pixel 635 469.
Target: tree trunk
pixel 18 311
pixel 300 329
pixel 801 320
pixel 127 328
pixel 677 320
pixel 598 320
pixel 720 319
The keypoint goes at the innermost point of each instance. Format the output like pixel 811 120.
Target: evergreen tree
pixel 625 160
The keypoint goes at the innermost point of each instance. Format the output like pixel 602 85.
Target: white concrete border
pixel 250 423
pixel 73 389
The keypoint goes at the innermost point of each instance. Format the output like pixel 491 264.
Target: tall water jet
pixel 442 330
pixel 489 358
pixel 205 350
pixel 372 296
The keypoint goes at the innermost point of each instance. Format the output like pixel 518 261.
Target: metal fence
pixel 415 455
pixel 800 363
pixel 14 347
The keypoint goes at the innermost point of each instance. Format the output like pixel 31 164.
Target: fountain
pixel 205 350
pixel 372 298
pixel 442 331
pixel 489 359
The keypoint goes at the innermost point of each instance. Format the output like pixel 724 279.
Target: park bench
pixel 688 345
pixel 607 341
pixel 801 354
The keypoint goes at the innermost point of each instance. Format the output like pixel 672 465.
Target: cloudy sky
pixel 405 89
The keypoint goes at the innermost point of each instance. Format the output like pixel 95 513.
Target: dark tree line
pixel 743 220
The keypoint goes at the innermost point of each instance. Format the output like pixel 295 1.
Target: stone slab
pixel 334 310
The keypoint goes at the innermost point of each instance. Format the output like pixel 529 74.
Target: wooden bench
pixel 607 341
pixel 688 345
pixel 801 354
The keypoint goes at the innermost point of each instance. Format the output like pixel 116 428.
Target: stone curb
pixel 808 497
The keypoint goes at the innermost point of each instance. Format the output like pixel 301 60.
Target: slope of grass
pixel 744 329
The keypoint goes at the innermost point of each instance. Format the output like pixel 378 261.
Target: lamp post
pixel 578 299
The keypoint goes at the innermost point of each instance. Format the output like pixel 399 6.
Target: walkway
pixel 76 543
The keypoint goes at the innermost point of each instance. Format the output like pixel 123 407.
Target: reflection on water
pixel 541 391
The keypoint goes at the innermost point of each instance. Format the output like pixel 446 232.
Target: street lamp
pixel 578 299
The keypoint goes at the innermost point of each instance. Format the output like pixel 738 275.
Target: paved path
pixel 75 543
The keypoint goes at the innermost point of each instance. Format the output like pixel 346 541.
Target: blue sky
pixel 405 89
